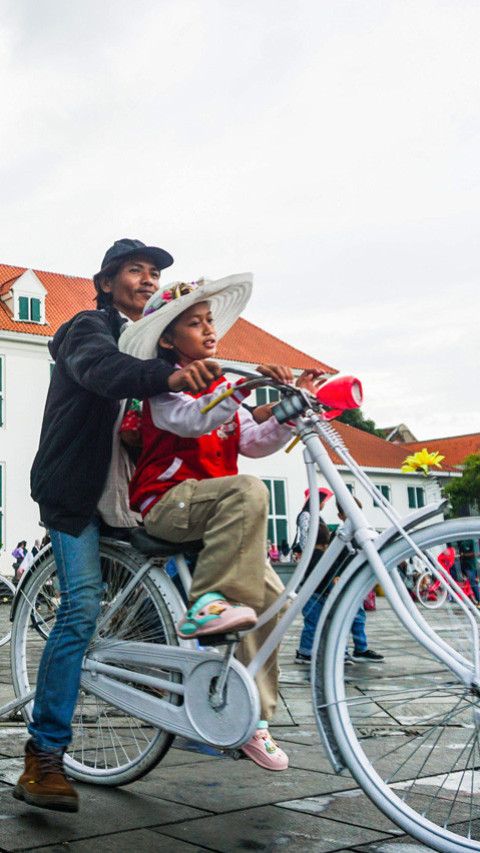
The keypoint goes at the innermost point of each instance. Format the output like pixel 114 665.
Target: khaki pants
pixel 230 515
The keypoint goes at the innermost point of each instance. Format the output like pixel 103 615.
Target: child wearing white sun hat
pixel 187 485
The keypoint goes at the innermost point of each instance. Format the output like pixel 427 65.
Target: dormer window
pixel 26 298
pixel 29 308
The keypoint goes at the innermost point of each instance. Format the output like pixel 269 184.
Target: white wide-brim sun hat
pixel 227 297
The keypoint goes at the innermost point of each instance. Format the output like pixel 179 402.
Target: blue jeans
pixel 58 680
pixel 311 615
pixel 359 635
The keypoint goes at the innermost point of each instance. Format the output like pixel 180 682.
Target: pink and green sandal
pixel 213 614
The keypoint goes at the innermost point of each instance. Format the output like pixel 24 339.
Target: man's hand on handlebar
pixel 196 377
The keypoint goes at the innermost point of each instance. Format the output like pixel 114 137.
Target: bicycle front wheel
pixel 7 591
pixel 407 729
pixel 109 746
pixel 429 592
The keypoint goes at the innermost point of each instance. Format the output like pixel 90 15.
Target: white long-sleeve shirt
pixel 181 414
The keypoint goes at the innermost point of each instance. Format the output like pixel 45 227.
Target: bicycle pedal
pixel 236 754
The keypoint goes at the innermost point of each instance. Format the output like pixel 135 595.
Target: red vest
pixel 168 459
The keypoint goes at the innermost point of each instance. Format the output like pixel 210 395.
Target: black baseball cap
pixel 122 249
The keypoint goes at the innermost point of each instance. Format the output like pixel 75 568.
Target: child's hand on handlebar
pixel 311 379
pixel 262 413
pixel 278 372
pixel 195 377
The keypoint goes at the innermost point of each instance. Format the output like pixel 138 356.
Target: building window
pixel 1 392
pixel 385 490
pixel 351 488
pixel 277 514
pixel 416 497
pixel 29 309
pixel 267 395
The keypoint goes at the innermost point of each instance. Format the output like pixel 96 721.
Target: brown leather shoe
pixel 43 782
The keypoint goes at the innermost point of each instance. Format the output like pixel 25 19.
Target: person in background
pixel 273 553
pixel 28 559
pixel 313 608
pixel 468 565
pixel 19 553
pixel 360 652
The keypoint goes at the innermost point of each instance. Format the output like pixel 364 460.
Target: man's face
pixel 133 285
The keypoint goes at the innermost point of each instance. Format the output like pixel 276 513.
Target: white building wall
pixel 26 365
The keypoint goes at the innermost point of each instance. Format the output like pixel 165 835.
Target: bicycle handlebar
pixel 252 381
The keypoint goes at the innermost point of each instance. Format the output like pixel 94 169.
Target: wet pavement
pixel 194 802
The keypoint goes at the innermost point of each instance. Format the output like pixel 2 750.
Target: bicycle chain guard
pixel 228 727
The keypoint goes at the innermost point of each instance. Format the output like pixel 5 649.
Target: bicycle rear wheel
pixel 109 746
pixel 7 592
pixel 408 730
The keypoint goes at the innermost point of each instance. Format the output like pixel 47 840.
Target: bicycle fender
pixel 171 596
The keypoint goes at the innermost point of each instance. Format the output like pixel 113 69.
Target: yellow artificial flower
pixel 422 460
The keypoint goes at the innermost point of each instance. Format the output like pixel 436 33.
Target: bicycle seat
pixel 153 547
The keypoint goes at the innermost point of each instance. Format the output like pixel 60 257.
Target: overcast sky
pixel 331 147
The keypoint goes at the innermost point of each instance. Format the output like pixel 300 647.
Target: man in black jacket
pixel 68 475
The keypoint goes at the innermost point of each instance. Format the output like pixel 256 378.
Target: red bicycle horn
pixel 344 392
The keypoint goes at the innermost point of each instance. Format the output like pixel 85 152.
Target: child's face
pixel 194 336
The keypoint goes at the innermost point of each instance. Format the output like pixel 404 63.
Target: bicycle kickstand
pixel 11 708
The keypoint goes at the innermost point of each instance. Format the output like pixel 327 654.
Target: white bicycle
pixel 409 735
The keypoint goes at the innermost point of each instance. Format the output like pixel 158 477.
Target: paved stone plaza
pixel 195 802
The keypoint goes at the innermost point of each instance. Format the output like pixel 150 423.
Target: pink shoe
pixel 213 614
pixel 263 750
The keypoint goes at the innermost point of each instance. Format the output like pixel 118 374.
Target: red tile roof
pixel 247 342
pixel 6 285
pixel 66 295
pixel 455 448
pixel 373 452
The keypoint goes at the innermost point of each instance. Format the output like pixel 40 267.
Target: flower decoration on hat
pixel 422 460
pixel 178 288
